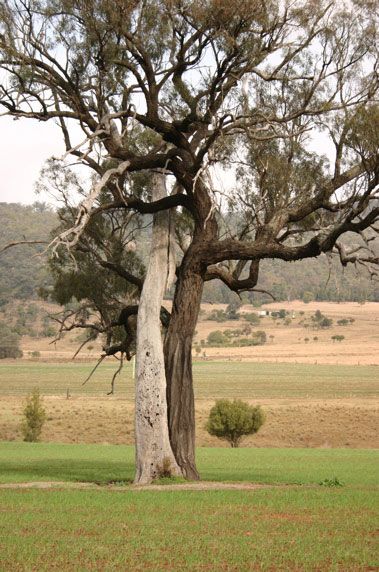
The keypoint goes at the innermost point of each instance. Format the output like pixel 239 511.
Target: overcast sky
pixel 24 147
pixel 26 144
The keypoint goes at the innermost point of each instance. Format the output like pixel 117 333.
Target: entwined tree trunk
pixel 153 450
pixel 179 338
pixel 178 360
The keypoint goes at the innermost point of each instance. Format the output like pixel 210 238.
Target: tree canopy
pixel 204 91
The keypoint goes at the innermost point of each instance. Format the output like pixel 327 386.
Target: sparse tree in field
pixel 252 318
pixel 232 420
pixel 232 310
pixel 9 343
pixel 338 338
pixel 34 417
pixel 307 297
pixel 191 89
pixel 217 338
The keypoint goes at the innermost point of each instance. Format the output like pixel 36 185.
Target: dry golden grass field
pixel 286 343
pixel 360 346
pixel 315 394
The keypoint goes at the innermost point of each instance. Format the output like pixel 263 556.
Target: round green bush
pixel 231 420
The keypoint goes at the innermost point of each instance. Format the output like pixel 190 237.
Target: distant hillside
pixel 21 273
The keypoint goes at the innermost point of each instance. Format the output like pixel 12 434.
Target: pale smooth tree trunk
pixel 153 450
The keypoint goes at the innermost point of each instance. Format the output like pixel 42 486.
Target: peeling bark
pixel 153 449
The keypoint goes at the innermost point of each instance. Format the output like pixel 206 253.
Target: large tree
pixel 254 88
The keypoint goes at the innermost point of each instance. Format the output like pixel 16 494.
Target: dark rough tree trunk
pixel 178 346
pixel 178 362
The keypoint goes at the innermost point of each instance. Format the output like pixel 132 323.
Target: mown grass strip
pixel 104 463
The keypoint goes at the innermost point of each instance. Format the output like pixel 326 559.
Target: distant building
pixel 263 313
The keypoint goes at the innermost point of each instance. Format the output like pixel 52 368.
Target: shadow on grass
pixel 22 462
pixel 100 472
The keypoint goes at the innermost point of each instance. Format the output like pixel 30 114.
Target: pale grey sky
pixel 26 144
pixel 24 147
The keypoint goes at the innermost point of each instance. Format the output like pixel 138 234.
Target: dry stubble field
pixel 316 394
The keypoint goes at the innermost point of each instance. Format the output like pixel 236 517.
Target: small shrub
pixel 34 417
pixel 331 483
pixel 231 420
pixel 216 338
pixel 338 338
pixel 217 316
pixel 319 321
pixel 326 323
pixel 260 337
pixel 251 318
pixel 35 354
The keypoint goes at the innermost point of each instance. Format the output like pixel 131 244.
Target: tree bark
pixel 153 450
pixel 178 361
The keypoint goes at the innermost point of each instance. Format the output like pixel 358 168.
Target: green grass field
pixel 103 463
pixel 213 380
pixel 304 527
pixel 293 524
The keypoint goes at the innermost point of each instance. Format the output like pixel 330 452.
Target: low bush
pixel 231 420
pixel 34 417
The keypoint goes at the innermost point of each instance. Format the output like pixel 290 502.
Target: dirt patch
pixel 191 486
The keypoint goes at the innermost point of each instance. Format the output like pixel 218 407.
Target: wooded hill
pixel 22 272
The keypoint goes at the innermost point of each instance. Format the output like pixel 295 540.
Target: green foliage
pixel 34 417
pixel 217 338
pixel 345 321
pixel 338 338
pixel 260 337
pixel 320 321
pixel 35 354
pixel 9 342
pixel 281 314
pixel 231 420
pixel 217 316
pixel 335 482
pixel 252 318
pixel 229 337
pixel 307 297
